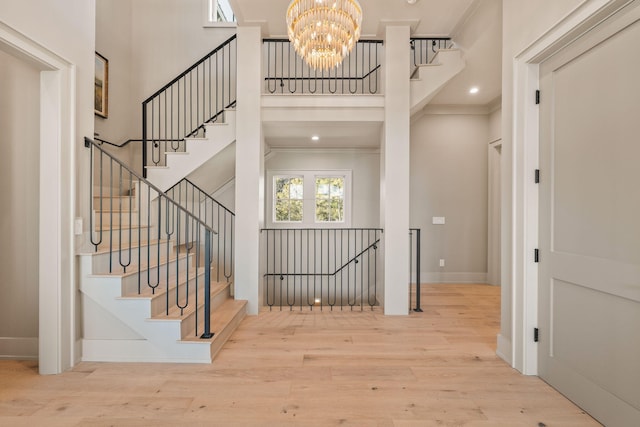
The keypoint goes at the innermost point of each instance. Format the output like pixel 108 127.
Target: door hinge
pixel 537 176
pixel 536 335
pixel 536 255
pixel 537 97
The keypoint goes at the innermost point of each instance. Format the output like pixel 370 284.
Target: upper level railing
pixel 287 73
pixel 424 49
pixel 143 231
pixel 321 267
pixel 182 108
pixel 215 215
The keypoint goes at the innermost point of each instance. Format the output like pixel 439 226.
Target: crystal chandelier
pixel 323 32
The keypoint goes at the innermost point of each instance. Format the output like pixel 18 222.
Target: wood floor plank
pixel 319 368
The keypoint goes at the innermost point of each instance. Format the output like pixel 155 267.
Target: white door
pixel 589 263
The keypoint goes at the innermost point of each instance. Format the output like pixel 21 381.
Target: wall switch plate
pixel 441 263
pixel 77 226
pixel 439 220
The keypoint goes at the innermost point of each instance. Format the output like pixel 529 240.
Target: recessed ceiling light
pixel 411 1
pixel 315 138
pixel 474 90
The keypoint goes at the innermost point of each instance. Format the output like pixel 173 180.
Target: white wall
pixel 449 179
pixel 523 22
pixel 19 217
pixel 495 125
pixel 365 167
pixel 168 37
pixel 494 152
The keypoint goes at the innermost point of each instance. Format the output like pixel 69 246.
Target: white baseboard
pixel 504 349
pixel 137 351
pixel 19 348
pixel 453 277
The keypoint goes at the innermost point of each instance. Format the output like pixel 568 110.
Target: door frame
pixel 525 140
pixel 56 306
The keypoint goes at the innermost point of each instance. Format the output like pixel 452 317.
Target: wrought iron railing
pixel 414 259
pixel 287 73
pixel 424 49
pixel 182 108
pixel 215 215
pixel 317 268
pixel 145 232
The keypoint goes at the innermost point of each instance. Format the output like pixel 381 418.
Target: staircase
pixel 152 287
pixel 143 280
pixel 428 79
pixel 197 151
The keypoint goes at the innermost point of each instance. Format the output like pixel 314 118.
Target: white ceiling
pixel 332 134
pixel 427 17
pixel 474 25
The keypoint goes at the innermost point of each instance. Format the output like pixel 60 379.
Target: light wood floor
pixel 436 368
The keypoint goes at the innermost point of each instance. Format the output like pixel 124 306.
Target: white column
pixel 249 166
pixel 395 184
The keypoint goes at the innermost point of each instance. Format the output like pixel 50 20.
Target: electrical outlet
pixel 441 263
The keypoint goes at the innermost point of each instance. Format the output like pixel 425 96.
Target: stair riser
pixel 118 203
pixel 101 262
pixel 141 233
pixel 130 282
pixel 159 303
pixel 116 218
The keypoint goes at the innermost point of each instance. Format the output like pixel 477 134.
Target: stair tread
pixel 147 292
pixel 174 312
pixel 219 319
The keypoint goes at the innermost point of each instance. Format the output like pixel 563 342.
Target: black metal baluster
pixel 418 308
pixel 410 264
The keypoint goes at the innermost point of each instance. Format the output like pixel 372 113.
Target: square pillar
pixel 395 156
pixel 249 167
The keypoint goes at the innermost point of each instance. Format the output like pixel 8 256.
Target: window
pixel 329 199
pixel 218 12
pixel 309 198
pixel 288 199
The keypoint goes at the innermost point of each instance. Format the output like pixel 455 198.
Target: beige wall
pixel 19 183
pixel 114 42
pixel 449 179
pixel 523 22
pixel 68 32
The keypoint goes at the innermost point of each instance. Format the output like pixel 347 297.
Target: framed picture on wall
pixel 101 86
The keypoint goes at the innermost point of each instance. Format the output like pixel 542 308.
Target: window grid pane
pixel 288 200
pixel 329 199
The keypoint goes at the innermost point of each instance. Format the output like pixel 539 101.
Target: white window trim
pixel 309 198
pixel 208 16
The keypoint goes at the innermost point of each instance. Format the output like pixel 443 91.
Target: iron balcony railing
pixel 414 259
pixel 424 49
pixel 287 73
pixel 144 231
pixel 317 268
pixel 182 108
pixel 215 215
